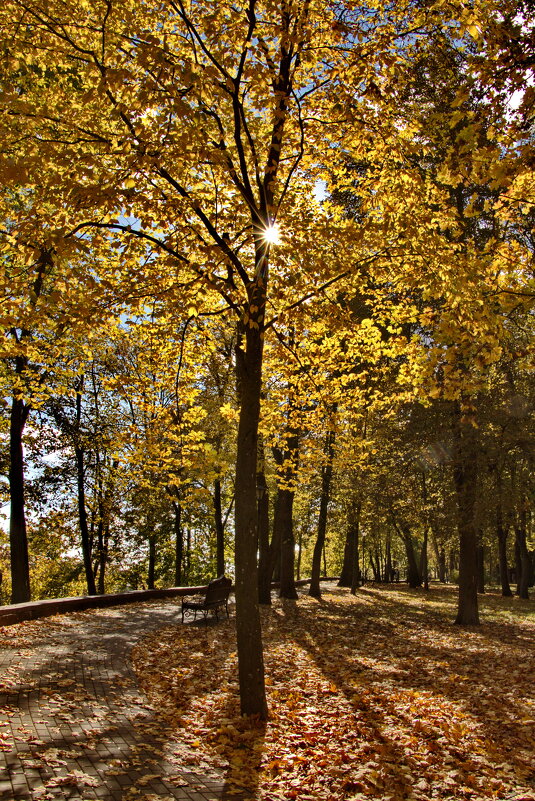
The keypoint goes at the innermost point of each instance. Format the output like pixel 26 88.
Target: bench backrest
pixel 218 590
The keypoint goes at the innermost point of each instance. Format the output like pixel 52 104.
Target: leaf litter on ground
pixel 376 695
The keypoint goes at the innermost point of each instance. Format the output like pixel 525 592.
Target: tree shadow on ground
pixel 404 657
pixel 81 728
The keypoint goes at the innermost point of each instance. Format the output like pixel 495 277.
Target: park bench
pixel 215 598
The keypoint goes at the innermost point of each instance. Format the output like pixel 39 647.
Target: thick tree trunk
pixel 248 629
pixel 18 538
pixel 219 529
pixel 326 476
pixel 179 543
pixel 465 478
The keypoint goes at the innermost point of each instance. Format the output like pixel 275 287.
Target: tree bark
pixel 87 541
pixel 18 537
pixel 501 532
pixel 355 567
pixel 346 574
pixel 287 554
pixel 283 517
pixel 179 543
pixel 248 629
pixel 425 565
pixel 265 568
pixel 219 529
pixel 151 573
pixel 414 578
pixel 326 477
pixel 481 569
pixel 87 544
pixel 523 560
pixel 465 479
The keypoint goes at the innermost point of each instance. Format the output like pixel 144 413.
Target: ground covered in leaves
pixel 374 696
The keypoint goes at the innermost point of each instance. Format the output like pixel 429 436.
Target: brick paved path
pixel 73 723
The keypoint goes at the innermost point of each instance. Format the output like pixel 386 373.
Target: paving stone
pixel 72 708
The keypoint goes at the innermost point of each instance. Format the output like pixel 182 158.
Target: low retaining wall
pixel 16 613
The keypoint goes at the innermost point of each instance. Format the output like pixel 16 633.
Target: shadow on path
pixel 73 723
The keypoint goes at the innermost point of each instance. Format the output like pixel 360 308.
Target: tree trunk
pixel 265 565
pixel 414 578
pixel 481 569
pixel 285 498
pixel 18 538
pixel 355 572
pixel 87 544
pixel 524 561
pixel 286 458
pixel 152 562
pixel 465 479
pixel 219 529
pixel 179 543
pixel 102 558
pixel 248 629
pixel 440 556
pixel 425 563
pixel 346 574
pixel 501 532
pixel 326 476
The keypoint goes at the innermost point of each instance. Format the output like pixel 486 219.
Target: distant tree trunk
pixel 286 459
pixel 179 543
pixel 152 561
pixel 326 477
pixel 388 560
pixel 501 532
pixel 355 572
pixel 425 565
pixel 465 479
pixel 219 529
pixel 375 565
pixel 187 557
pixel 102 557
pixel 287 553
pixel 79 454
pixel 414 578
pixel 18 538
pixel 481 569
pixel 346 574
pixel 523 559
pixel 440 556
pixel 87 543
pixel 265 562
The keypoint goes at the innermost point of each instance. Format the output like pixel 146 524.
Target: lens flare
pixel 272 234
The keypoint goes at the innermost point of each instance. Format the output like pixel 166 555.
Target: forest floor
pixel 374 696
